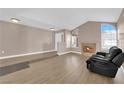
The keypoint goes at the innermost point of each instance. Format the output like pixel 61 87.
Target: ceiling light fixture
pixel 52 29
pixel 14 20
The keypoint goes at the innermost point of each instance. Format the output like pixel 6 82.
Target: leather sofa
pixel 104 54
pixel 106 64
pixel 100 56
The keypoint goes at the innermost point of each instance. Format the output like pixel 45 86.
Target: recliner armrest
pixel 101 53
pixel 104 60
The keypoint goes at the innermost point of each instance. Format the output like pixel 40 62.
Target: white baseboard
pixel 69 52
pixel 15 59
pixel 75 52
pixel 63 53
pixel 26 54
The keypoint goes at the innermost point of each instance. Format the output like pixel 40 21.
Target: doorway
pixel 59 37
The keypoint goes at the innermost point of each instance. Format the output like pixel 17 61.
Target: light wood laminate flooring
pixel 65 69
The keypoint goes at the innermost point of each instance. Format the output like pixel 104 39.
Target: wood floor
pixel 66 69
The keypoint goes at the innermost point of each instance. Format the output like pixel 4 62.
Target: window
pixel 59 37
pixel 74 42
pixel 108 36
pixel 68 40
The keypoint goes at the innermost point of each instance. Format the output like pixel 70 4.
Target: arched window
pixel 108 36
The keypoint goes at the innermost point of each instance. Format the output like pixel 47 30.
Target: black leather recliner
pixel 107 64
pixel 103 54
pixel 107 68
pixel 100 56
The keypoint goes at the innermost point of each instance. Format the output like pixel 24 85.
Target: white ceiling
pixel 59 18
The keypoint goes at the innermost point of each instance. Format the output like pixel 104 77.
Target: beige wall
pixel 120 25
pixel 0 41
pixel 90 32
pixel 19 39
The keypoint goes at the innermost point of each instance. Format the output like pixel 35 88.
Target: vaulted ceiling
pixel 59 18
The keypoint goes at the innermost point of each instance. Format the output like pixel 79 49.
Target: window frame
pixel 114 28
pixel 76 43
